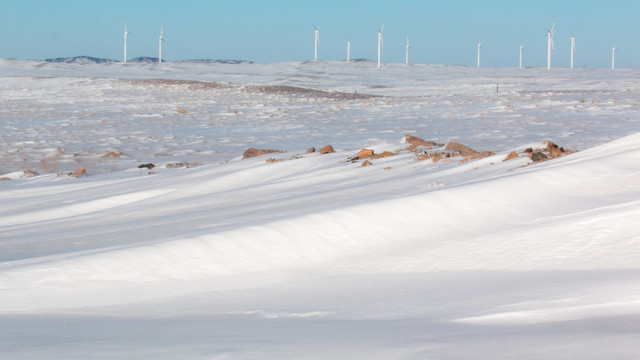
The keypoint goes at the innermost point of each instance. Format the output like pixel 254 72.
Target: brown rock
pixel 538 156
pixel 79 173
pixel 387 168
pixel 366 163
pixel 327 149
pixel 272 160
pixel 554 150
pixel 365 153
pixel 383 154
pixel 461 149
pixel 415 142
pixel 4 178
pixel 512 155
pixel 112 154
pixel 424 157
pixel 437 158
pixel 29 173
pixel 252 152
pixel 311 150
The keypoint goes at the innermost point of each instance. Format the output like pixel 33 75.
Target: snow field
pixel 315 256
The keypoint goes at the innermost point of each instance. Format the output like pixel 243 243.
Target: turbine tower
pixel 550 45
pixel 348 50
pixel 380 44
pixel 125 40
pixel 613 57
pixel 479 46
pixel 573 47
pixel 521 47
pixel 160 40
pixel 406 53
pixel 315 43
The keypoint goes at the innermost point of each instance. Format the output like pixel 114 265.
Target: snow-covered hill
pixel 298 254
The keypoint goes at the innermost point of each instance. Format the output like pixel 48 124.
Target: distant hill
pixel 140 60
pixel 218 61
pixel 144 60
pixel 80 60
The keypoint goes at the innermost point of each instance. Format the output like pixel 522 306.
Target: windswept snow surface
pixel 315 256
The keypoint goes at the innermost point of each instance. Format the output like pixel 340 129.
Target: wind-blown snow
pixel 315 256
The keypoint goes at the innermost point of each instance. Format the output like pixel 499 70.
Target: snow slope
pixel 315 256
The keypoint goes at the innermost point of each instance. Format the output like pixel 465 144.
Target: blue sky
pixel 441 32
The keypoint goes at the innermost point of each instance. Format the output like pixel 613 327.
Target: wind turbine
pixel 550 44
pixel 479 46
pixel 521 47
pixel 348 50
pixel 316 41
pixel 380 44
pixel 160 41
pixel 125 40
pixel 613 57
pixel 573 47
pixel 406 54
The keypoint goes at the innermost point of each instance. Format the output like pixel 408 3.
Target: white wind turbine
pixel 573 47
pixel 550 45
pixel 479 46
pixel 160 41
pixel 406 53
pixel 380 44
pixel 316 41
pixel 613 57
pixel 348 50
pixel 521 47
pixel 125 40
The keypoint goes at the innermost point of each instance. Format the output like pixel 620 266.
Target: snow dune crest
pixel 522 219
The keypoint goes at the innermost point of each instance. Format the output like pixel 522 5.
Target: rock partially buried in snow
pixel 365 153
pixel 29 173
pixel 550 151
pixel 113 154
pixel 366 163
pixel 416 142
pixel 327 149
pixel 78 173
pixel 311 150
pixel 538 156
pixel 512 155
pixel 383 155
pixel 460 149
pixel 253 152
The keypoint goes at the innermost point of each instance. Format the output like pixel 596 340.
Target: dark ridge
pixel 218 61
pixel 306 92
pixel 80 60
pixel 144 59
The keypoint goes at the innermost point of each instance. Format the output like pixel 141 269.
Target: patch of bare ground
pixel 183 164
pixel 306 92
pixel 191 84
